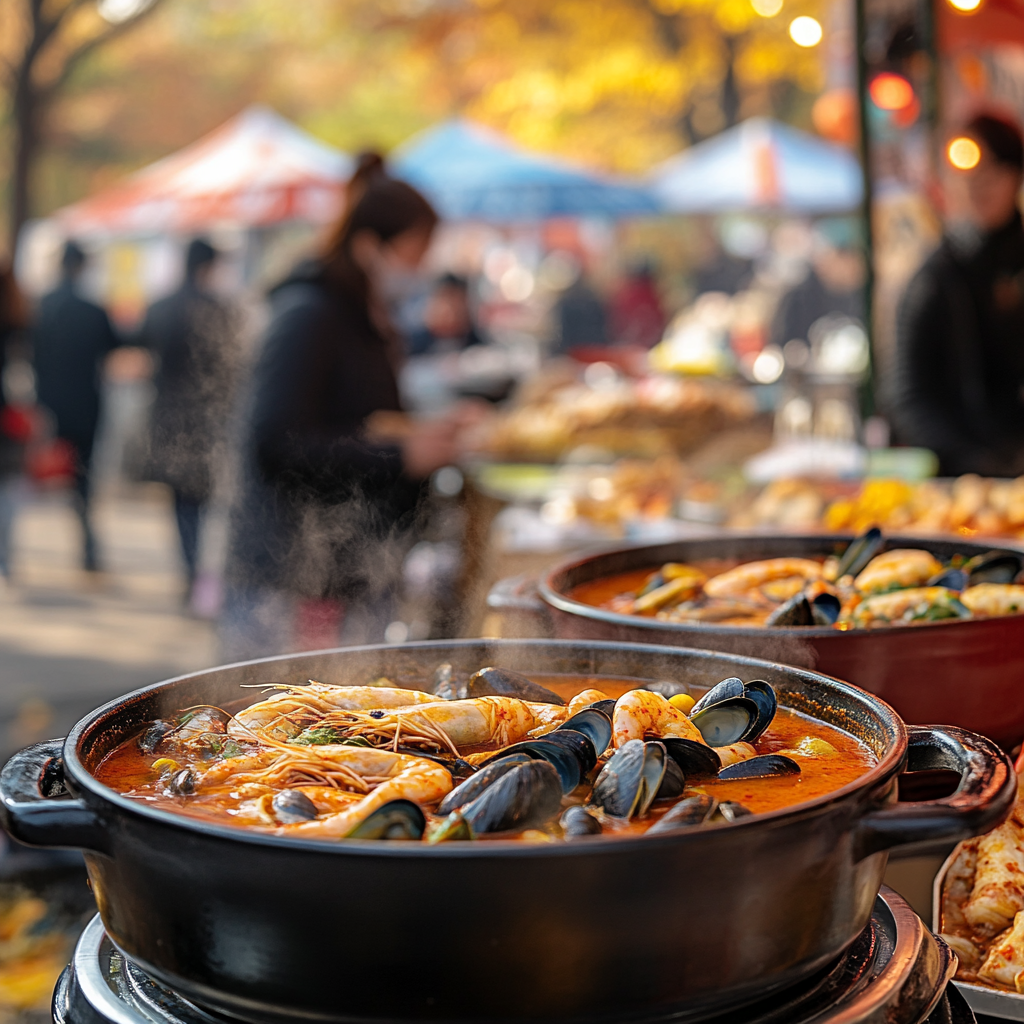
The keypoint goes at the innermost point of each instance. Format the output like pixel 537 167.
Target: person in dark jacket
pixel 14 424
pixel 193 335
pixel 958 385
pixel 331 473
pixel 447 320
pixel 70 341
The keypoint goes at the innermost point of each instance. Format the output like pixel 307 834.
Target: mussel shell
pixel 446 686
pixel 825 609
pixel 796 611
pixel 630 780
pixel 469 790
pixel 525 797
pixel 859 552
pixel 457 767
pixel 732 811
pixel 656 580
pixel 606 707
pixel 763 695
pixel 994 567
pixel 695 759
pixel 577 821
pixel 731 687
pixel 667 687
pixel 580 745
pixel 673 782
pixel 292 805
pixel 150 737
pixel 397 819
pixel 503 682
pixel 763 767
pixel 950 578
pixel 694 810
pixel 564 760
pixel 594 724
pixel 728 721
pixel 182 783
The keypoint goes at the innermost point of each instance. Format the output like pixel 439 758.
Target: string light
pixel 805 31
pixel 964 153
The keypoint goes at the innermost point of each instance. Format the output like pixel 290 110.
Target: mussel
pixel 859 552
pixel 607 707
pixel 950 578
pixel 673 782
pixel 629 782
pixel 694 759
pixel 762 767
pixel 797 611
pixel 728 721
pixel 595 724
pixel 397 819
pixel 182 783
pixel 579 745
pixel 469 790
pixel 731 811
pixel 825 609
pixel 577 821
pixel 731 687
pixel 694 810
pixel 525 797
pixel 446 687
pixel 994 567
pixel 292 805
pixel 150 737
pixel 564 759
pixel 503 682
pixel 733 711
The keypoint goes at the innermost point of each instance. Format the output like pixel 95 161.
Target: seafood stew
pixel 496 755
pixel 862 587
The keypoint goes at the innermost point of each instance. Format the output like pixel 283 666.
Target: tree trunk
pixel 26 145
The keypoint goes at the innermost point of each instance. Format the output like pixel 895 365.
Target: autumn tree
pixel 42 44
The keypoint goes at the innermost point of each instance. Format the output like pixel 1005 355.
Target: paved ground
pixel 70 641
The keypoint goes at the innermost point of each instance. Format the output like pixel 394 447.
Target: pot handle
pixel 987 790
pixel 36 806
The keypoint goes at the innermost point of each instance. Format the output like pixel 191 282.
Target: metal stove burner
pixel 896 972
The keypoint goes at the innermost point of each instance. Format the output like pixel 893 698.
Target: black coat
pixel 958 385
pixel 806 303
pixel 194 335
pixel 70 340
pixel 320 510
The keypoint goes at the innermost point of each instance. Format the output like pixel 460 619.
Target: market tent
pixel 760 164
pixel 256 169
pixel 473 173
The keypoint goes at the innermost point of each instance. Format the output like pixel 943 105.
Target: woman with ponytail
pixel 331 473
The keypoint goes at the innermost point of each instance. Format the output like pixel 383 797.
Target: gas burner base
pixel 896 972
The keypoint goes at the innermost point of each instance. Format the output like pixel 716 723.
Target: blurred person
pixel 447 320
pixel 581 319
pixel 637 315
pixel 331 475
pixel 193 335
pixel 834 283
pixel 14 427
pixel 958 382
pixel 71 339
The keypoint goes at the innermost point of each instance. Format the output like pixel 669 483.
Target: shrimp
pixel 913 603
pixel 287 713
pixel 375 776
pixel 735 752
pixel 641 712
pixel 546 716
pixel 901 567
pixel 584 699
pixel 994 598
pixel 744 578
pixel 446 724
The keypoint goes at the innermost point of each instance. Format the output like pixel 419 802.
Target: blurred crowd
pixel 333 476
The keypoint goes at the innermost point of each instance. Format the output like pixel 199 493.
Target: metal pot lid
pixel 896 972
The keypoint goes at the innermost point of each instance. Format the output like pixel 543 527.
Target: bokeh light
pixel 966 5
pixel 805 31
pixel 964 153
pixel 891 92
pixel 766 8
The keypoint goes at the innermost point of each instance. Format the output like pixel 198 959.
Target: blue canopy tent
pixel 760 165
pixel 473 173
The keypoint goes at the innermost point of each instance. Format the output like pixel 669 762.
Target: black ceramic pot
pixel 668 927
